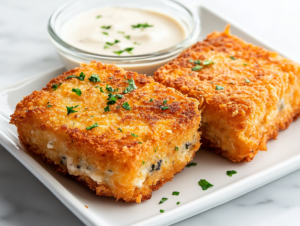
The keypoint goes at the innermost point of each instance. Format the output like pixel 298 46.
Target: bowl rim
pixel 69 49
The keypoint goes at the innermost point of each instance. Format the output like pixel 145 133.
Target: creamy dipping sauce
pixel 122 31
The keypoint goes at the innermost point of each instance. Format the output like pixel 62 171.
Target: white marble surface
pixel 25 50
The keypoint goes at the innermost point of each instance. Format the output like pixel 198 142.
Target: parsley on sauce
pixel 128 50
pixel 142 26
pixel 106 27
pixel 112 43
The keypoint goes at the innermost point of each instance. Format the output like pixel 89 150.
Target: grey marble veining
pixel 25 50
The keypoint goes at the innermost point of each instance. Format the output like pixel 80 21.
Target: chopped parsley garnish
pixel 247 80
pixel 49 106
pixel 232 58
pixel 191 61
pixel 128 50
pixel 245 64
pixel 204 184
pixel 134 135
pixel 80 77
pixel 112 43
pixel 196 68
pixel 111 77
pixel 231 82
pixel 101 90
pixel 96 86
pixel 106 47
pixel 139 142
pixel 119 96
pixel 121 32
pixel 207 62
pixel 99 16
pixel 136 43
pixel 127 37
pixel 177 203
pixel 106 27
pixel 155 149
pixel 197 62
pixel 77 91
pixel 191 164
pixel 219 87
pixel 120 130
pixel 131 86
pixel 161 211
pixel 164 107
pixel 126 106
pixel 92 126
pixel 175 193
pixel 118 107
pixel 163 200
pixel 94 78
pixel 107 109
pixel 105 33
pixel 176 148
pixel 111 89
pixel 142 26
pixel 55 86
pixel 151 100
pixel 231 172
pixel 112 99
pixel 165 101
pixel 143 162
pixel 71 109
pixel 92 116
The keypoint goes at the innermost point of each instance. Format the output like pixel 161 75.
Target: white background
pixel 25 50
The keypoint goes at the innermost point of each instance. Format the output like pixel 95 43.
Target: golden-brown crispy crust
pixel 113 147
pixel 103 190
pixel 258 92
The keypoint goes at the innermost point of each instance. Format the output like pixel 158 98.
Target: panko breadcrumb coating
pixel 246 93
pixel 119 133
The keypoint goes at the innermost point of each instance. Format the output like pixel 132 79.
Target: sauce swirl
pixel 120 31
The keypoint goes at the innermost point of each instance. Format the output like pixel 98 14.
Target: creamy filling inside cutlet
pixel 183 154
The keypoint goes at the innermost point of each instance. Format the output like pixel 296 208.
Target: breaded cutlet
pixel 246 93
pixel 119 133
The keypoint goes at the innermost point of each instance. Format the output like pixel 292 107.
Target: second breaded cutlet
pixel 247 93
pixel 119 133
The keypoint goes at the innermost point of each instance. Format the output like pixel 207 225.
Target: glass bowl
pixel 145 64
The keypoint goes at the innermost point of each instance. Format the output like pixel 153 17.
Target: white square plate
pixel 283 157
